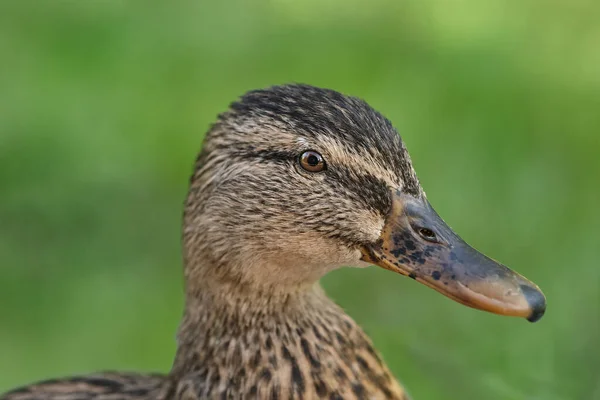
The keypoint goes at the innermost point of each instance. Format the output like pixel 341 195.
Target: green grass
pixel 103 106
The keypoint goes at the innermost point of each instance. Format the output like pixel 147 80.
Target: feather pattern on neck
pixel 296 345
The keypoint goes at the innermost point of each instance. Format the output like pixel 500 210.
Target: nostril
pixel 427 234
pixel 536 301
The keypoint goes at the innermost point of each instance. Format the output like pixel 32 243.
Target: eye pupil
pixel 312 161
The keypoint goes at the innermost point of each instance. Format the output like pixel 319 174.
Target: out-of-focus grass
pixel 103 106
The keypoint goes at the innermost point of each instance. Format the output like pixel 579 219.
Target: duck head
pixel 294 181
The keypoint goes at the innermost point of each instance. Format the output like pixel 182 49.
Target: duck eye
pixel 312 161
pixel 427 234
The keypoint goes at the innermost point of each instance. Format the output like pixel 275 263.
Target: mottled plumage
pixel 260 230
pixel 105 386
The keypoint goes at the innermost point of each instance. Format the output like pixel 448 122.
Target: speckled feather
pixel 99 386
pixel 300 346
pixel 258 233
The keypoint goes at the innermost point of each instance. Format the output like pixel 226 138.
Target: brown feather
pixel 259 232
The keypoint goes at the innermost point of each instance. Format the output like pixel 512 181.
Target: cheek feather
pixel 375 228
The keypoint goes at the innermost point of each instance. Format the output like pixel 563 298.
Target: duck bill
pixel 417 243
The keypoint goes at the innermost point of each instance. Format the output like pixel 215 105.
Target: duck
pixel 293 182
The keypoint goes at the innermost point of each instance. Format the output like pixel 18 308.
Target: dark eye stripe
pixel 267 155
pixel 371 191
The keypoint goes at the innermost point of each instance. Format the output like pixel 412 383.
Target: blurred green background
pixel 103 106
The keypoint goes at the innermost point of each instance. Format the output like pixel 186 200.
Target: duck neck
pixel 224 322
pixel 272 342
